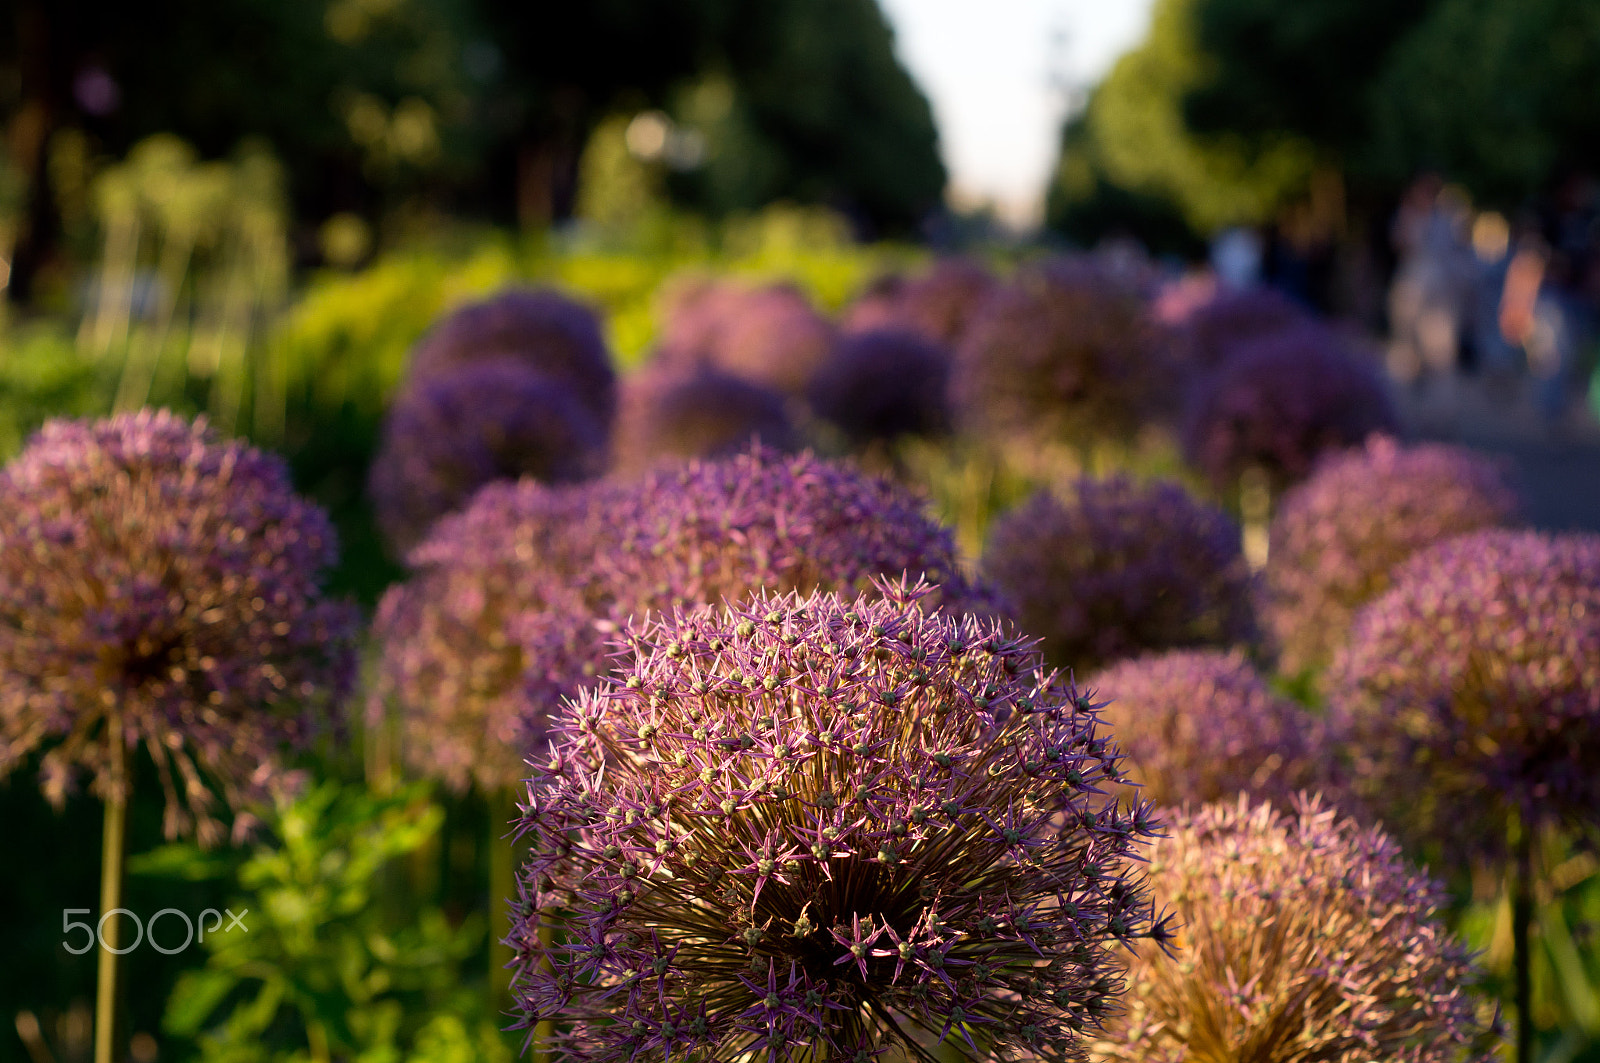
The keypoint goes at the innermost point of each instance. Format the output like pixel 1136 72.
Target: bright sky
pixel 998 73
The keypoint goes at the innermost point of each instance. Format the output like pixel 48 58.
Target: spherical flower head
pixel 553 335
pixel 1336 538
pixel 155 575
pixel 451 433
pixel 1279 402
pixel 1202 725
pixel 1119 568
pixel 1303 938
pixel 883 384
pixel 495 625
pixel 763 520
pixel 809 827
pixel 937 305
pixel 1218 327
pixel 1470 690
pixel 771 335
pixel 670 415
pixel 1063 353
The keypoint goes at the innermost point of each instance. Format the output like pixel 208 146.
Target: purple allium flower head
pixel 771 335
pixel 1338 536
pixel 882 384
pixel 1218 327
pixel 552 335
pixel 1471 689
pixel 513 600
pixel 1121 568
pixel 495 625
pixel 1304 937
pixel 938 305
pixel 451 433
pixel 1281 401
pixel 809 827
pixel 764 520
pixel 1063 352
pixel 670 415
pixel 1202 725
pixel 152 571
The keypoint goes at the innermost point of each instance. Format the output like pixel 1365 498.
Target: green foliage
pixel 323 970
pixel 1134 139
pixel 42 375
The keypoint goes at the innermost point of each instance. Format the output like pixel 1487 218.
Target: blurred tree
pixel 1134 145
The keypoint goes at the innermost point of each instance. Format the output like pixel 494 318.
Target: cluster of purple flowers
pixel 810 827
pixel 160 586
pixel 771 335
pixel 1202 725
pixel 670 414
pixel 1120 568
pixel 1304 937
pixel 1064 352
pixel 1217 328
pixel 518 385
pixel 884 383
pixel 938 305
pixel 1279 402
pixel 512 602
pixel 1337 538
pixel 1470 690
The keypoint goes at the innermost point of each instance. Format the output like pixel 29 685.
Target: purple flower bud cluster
pixel 882 384
pixel 1064 352
pixel 1120 568
pixel 814 828
pixel 938 305
pixel 671 414
pixel 1210 335
pixel 1280 402
pixel 1202 725
pixel 1304 937
pixel 552 335
pixel 449 434
pixel 1470 690
pixel 513 600
pixel 1337 537
pixel 771 335
pixel 153 574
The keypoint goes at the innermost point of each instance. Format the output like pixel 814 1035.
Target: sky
pixel 1000 75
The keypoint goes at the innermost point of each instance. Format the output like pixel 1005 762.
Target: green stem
pixel 317 1040
pixel 1521 957
pixel 112 846
pixel 502 886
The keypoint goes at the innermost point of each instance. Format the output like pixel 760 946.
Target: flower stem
pixel 112 846
pixel 1521 958
pixel 502 886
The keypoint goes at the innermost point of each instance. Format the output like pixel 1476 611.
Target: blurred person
pixel 1432 289
pixel 1543 319
pixel 1236 258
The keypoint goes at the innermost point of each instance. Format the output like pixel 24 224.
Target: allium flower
pixel 938 305
pixel 1338 536
pixel 771 335
pixel 1471 689
pixel 1281 401
pixel 762 520
pixel 1304 939
pixel 808 828
pixel 154 575
pixel 551 334
pixel 513 600
pixel 1063 352
pixel 1202 725
pixel 1121 568
pixel 1218 327
pixel 452 433
pixel 495 625
pixel 883 384
pixel 671 415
